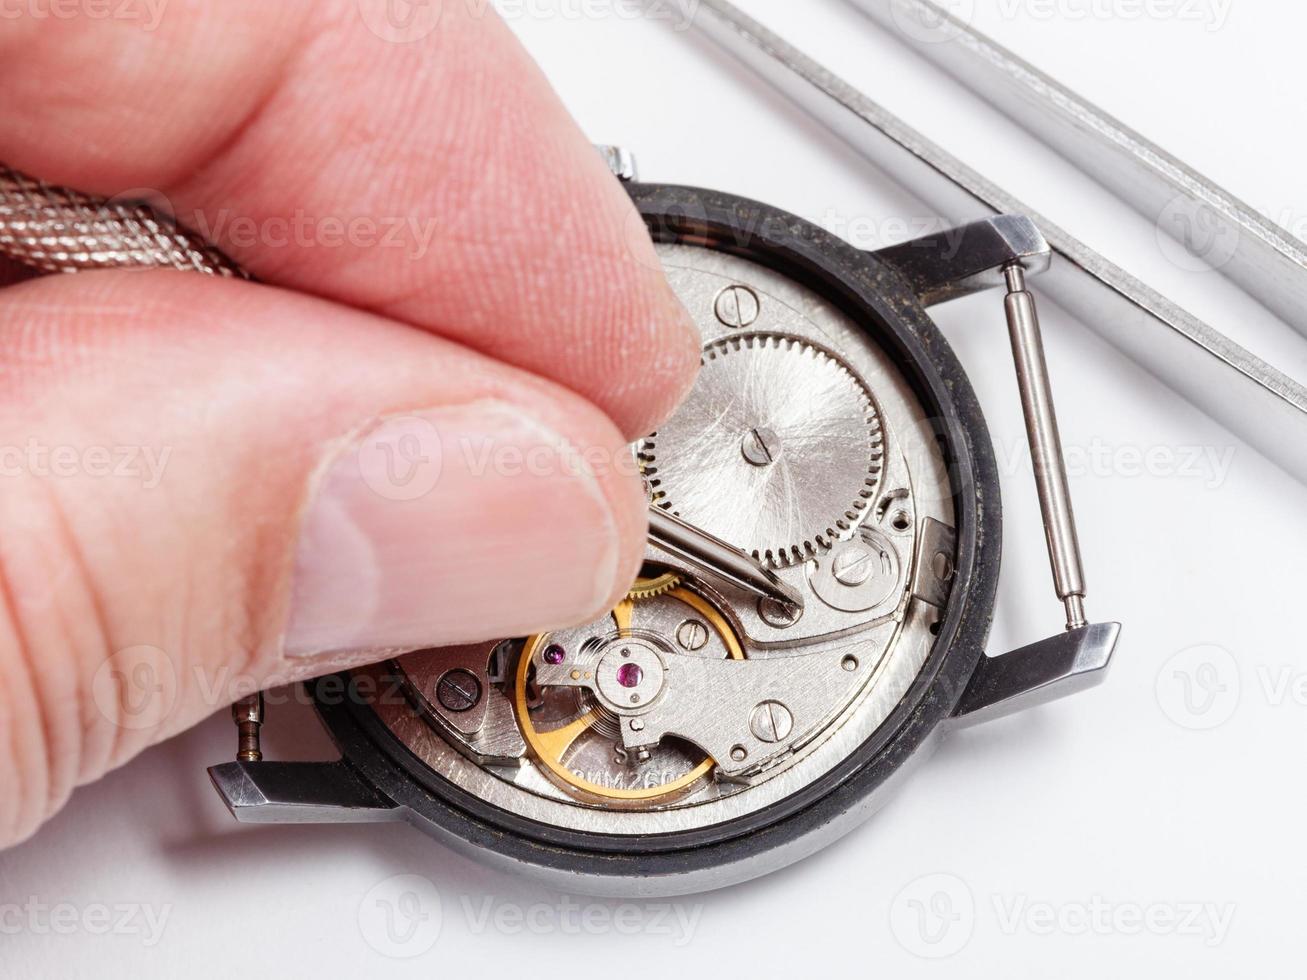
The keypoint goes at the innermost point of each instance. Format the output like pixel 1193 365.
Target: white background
pixel 1126 831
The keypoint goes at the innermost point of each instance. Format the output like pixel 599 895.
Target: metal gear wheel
pixel 576 740
pixel 777 450
pixel 653 587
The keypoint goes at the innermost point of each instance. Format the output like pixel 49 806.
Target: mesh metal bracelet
pixel 54 229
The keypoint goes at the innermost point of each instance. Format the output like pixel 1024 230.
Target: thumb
pixel 210 487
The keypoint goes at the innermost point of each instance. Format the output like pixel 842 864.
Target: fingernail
pixel 458 524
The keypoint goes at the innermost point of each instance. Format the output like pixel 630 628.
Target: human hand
pixel 212 486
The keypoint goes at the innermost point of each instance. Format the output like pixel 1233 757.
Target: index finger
pixel 402 157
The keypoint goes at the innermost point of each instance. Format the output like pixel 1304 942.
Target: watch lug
pixel 1064 664
pixel 969 259
pixel 621 162
pixel 299 792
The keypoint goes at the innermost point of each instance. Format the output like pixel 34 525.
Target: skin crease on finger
pixel 273 126
pixel 253 391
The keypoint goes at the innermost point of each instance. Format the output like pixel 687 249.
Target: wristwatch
pixel 812 614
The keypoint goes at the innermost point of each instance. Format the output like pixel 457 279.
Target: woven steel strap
pixel 54 229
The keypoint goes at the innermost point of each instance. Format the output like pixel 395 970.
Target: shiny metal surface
pixel 1045 447
pixel 1262 405
pixel 778 421
pixel 962 261
pixel 485 729
pixel 1213 224
pixel 56 229
pixel 713 555
pixel 1051 669
pixel 906 497
pixel 711 701
pixel 834 674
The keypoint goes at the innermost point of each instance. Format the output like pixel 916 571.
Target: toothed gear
pixel 777 450
pixel 652 588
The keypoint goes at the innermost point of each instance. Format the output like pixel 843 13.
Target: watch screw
pixel 692 635
pixel 458 690
pixel 737 306
pixel 779 615
pixel 761 446
pixel 852 565
pixel 770 721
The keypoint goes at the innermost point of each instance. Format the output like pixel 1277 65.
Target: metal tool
pixel 1262 405
pixel 715 556
pixel 1213 224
